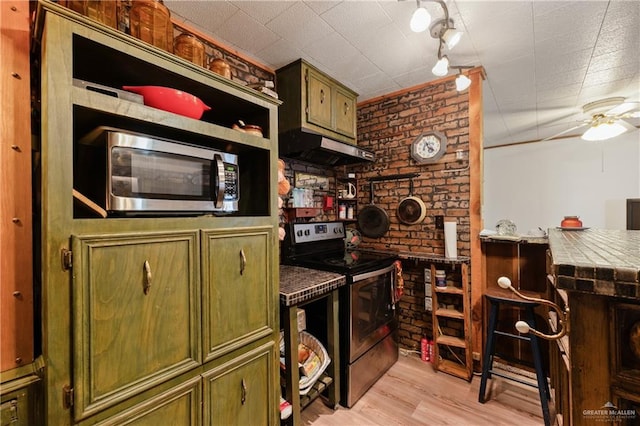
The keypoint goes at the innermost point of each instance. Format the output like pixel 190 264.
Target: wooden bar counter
pixel 596 368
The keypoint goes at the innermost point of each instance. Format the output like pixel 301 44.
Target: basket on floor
pixel 316 363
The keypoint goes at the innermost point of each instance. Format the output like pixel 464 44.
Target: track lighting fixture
pixel 420 19
pixel 445 30
pixel 462 82
pixel 448 36
pixel 441 68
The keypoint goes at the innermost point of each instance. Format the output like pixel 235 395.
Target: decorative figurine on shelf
pixel 283 189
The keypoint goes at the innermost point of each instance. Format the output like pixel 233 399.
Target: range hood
pixel 314 148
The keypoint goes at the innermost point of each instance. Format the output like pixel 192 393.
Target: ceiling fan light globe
pixel 462 82
pixel 441 68
pixel 604 131
pixel 420 20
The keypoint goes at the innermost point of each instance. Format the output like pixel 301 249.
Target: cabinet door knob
pixel 243 261
pixel 148 277
pixel 243 386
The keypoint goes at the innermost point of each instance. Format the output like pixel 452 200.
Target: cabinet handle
pixel 346 108
pixel 321 96
pixel 243 386
pixel 243 261
pixel 148 277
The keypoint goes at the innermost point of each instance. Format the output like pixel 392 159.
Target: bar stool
pixel 497 298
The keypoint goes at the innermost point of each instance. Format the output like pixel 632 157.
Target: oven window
pixel 372 311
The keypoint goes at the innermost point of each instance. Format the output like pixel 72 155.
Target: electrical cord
pixel 448 347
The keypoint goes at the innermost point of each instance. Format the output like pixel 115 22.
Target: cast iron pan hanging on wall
pixel 411 210
pixel 373 221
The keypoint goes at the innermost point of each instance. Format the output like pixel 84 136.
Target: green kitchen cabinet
pixel 238 306
pixel 177 406
pixel 316 103
pixel 235 392
pixel 139 311
pixel 136 304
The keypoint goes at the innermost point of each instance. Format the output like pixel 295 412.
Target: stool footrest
pixel 511 377
pixel 515 336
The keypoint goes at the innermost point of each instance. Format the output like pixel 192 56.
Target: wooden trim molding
pixel 16 272
pixel 476 75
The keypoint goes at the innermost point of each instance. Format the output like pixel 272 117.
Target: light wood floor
pixel 412 393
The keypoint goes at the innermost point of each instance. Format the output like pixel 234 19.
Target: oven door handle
pixel 375 273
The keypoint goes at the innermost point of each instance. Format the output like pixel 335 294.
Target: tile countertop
pixel 298 285
pixel 598 261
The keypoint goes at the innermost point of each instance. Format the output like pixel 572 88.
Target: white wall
pixel 537 184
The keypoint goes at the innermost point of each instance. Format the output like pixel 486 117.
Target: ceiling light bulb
pixel 420 20
pixel 451 37
pixel 441 68
pixel 462 82
pixel 604 131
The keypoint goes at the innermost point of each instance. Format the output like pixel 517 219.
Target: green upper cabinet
pixel 319 99
pixel 238 305
pixel 315 102
pixel 137 304
pixel 345 112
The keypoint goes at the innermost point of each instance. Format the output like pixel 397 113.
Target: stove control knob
pixel 307 232
pixel 299 233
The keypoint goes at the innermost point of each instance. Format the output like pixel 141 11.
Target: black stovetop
pixel 321 245
pixel 346 262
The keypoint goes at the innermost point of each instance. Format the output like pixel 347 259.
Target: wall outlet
pixel 439 222
pixel 427 275
pixel 428 304
pixel 475 356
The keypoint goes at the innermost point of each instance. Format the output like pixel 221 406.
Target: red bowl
pixel 171 100
pixel 571 222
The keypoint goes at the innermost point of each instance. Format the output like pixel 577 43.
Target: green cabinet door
pixel 240 392
pixel 319 99
pixel 136 314
pixel 238 291
pixel 345 112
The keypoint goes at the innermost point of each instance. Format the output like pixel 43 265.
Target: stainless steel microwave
pixel 148 174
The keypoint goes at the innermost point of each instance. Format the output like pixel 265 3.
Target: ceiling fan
pixel 608 119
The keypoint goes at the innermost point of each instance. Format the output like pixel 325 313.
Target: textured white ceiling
pixel 543 59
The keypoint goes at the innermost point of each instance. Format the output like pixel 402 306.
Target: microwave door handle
pixel 217 175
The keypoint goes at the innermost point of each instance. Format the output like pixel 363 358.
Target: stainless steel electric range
pixel 367 305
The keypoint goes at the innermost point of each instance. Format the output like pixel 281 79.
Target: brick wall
pixel 387 126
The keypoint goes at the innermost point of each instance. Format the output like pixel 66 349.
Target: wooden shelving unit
pixel 452 323
pixel 348 203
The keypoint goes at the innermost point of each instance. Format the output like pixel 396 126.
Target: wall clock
pixel 429 147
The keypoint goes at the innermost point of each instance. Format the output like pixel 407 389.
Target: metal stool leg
pixel 488 351
pixel 543 387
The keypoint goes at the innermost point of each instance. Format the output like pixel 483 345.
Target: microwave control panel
pixel 231 180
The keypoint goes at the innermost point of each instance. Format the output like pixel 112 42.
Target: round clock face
pixel 428 147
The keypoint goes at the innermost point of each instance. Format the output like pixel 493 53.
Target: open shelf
pixel 452 314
